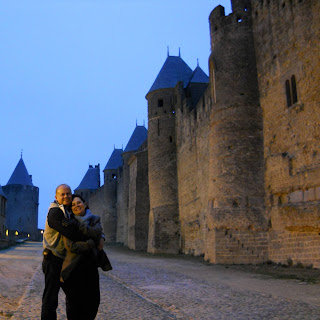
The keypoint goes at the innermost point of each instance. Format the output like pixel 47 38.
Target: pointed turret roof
pixel 20 175
pixel 138 136
pixel 115 160
pixel 2 193
pixel 173 71
pixel 91 180
pixel 199 76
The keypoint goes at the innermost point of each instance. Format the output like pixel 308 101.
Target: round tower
pixel 109 217
pixel 236 180
pixel 162 165
pixel 22 203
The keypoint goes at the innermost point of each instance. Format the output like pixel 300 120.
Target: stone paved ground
pixel 143 286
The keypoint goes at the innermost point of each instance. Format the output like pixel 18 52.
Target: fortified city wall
pixel 286 35
pixel 233 164
pixel 139 203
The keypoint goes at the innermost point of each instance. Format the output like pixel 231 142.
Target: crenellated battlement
pixel 263 8
pixel 220 24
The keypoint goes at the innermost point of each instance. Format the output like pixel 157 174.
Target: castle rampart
pixel 102 203
pixel 288 73
pixel 138 212
pixel 234 164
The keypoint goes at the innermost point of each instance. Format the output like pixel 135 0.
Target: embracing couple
pixel 73 250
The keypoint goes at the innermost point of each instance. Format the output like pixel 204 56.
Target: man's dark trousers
pixel 51 267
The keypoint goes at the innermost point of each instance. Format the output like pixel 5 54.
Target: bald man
pixel 59 222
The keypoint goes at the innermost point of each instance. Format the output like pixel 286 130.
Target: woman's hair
pixel 78 196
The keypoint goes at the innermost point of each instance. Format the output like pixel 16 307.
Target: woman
pixel 79 273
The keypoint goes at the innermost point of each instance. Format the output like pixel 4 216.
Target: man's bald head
pixel 62 185
pixel 64 194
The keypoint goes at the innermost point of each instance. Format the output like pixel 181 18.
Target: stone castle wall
pixel 139 202
pixel 233 169
pixel 220 150
pixel 232 198
pixel 287 52
pixel 121 204
pixel 102 204
pixel 193 166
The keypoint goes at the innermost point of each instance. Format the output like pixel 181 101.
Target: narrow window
pixel 291 91
pixel 288 93
pixel 294 90
pixel 170 139
pixel 160 103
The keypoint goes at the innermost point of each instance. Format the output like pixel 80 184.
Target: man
pixel 57 225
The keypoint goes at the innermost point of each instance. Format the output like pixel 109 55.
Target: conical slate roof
pixel 173 71
pixel 20 175
pixel 2 193
pixel 115 160
pixel 91 180
pixel 199 76
pixel 138 136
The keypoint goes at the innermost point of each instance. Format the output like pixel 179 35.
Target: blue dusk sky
pixel 74 75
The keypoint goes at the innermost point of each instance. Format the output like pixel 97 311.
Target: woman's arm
pixel 93 229
pixel 78 246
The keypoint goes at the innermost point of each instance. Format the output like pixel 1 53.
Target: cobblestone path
pixel 142 286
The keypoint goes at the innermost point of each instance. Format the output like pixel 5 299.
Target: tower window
pixel 291 91
pixel 160 103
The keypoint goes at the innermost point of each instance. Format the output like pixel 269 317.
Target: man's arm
pixel 71 231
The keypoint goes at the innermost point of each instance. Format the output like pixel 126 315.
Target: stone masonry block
pixel 317 190
pixel 296 196
pixel 310 195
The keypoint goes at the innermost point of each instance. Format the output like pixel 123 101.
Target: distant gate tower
pixel 22 204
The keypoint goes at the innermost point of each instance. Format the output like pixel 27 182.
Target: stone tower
pixel 90 182
pixel 236 168
pixel 109 217
pixel 3 204
pixel 164 235
pixel 22 203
